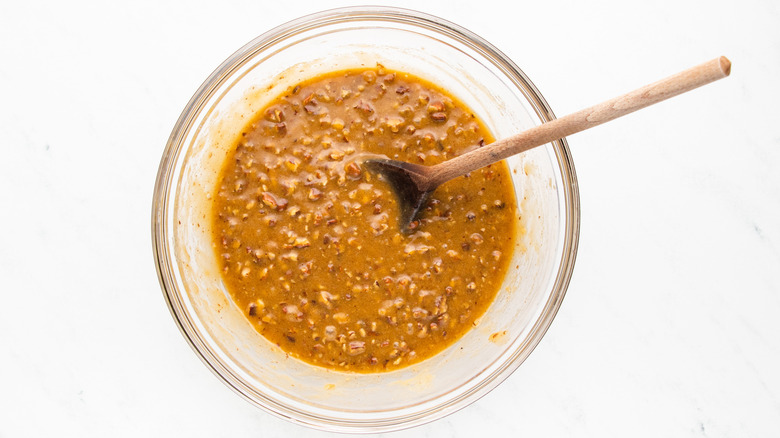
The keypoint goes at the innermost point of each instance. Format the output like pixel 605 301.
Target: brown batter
pixel 309 240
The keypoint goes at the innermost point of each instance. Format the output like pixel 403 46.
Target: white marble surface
pixel 670 326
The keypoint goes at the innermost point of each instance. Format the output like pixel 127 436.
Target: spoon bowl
pixel 404 179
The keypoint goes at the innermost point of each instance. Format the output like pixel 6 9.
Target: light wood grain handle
pixel 656 92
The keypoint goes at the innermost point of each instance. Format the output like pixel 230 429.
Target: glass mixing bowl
pixel 545 186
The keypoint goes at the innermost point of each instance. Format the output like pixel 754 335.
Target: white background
pixel 670 326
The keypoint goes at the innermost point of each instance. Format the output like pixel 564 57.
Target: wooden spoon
pixel 413 183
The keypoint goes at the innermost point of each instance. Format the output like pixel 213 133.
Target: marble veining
pixel 669 326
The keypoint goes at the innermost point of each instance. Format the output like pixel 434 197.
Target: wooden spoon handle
pixel 649 94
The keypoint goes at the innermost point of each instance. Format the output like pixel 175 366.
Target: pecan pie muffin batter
pixel 308 239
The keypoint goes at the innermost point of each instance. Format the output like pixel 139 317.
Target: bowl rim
pixel 161 204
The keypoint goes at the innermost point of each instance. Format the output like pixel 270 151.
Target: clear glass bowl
pixel 545 185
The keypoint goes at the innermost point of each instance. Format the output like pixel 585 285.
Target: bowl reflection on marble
pixel 403 40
